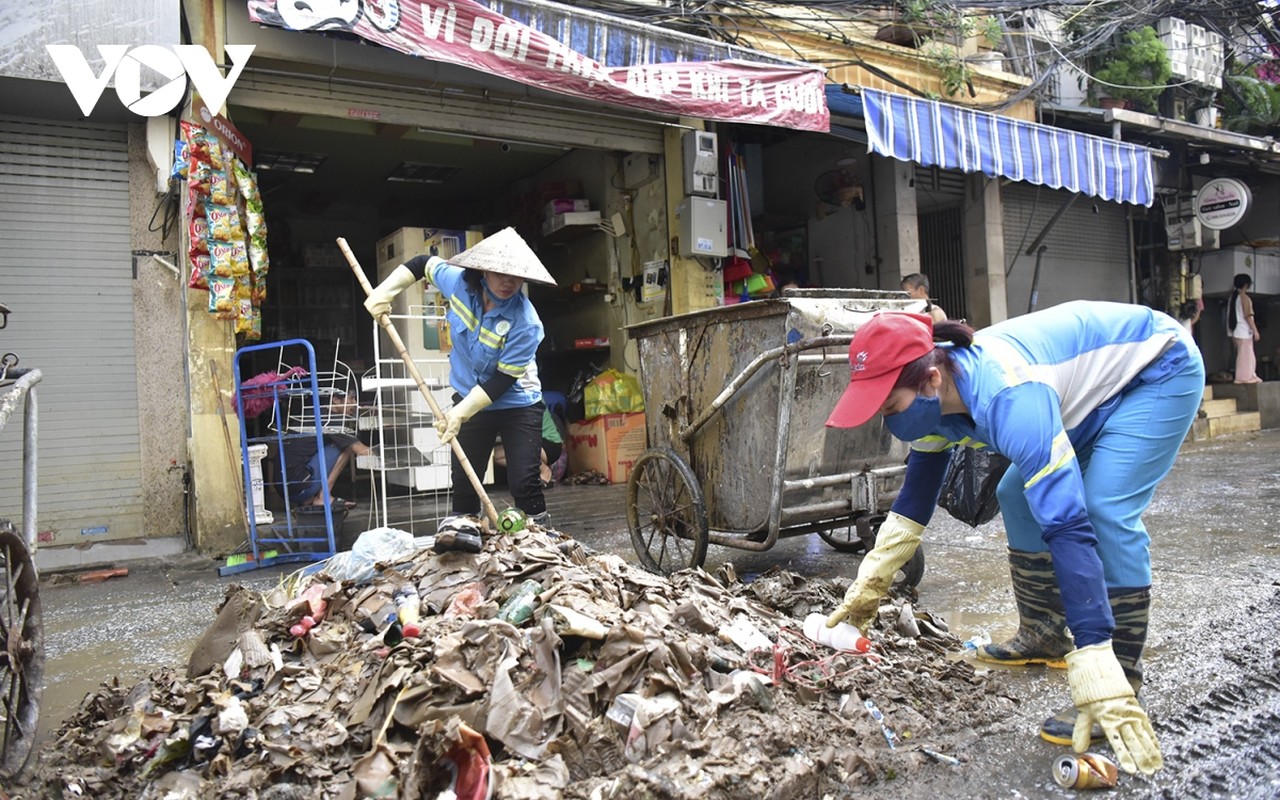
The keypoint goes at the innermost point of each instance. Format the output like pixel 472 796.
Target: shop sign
pixel 221 127
pixel 469 34
pixel 175 64
pixel 1221 203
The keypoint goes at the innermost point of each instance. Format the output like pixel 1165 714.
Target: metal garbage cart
pixel 21 618
pixel 736 400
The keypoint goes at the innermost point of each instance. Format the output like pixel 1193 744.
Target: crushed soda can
pixel 1085 771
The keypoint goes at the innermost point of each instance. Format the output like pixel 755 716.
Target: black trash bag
pixel 969 490
pixel 575 398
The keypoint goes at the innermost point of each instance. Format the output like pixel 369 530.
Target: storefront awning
pixel 578 52
pixel 932 133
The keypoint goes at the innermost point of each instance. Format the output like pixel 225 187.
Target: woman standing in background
pixel 1243 327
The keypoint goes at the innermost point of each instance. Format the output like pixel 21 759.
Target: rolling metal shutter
pixel 65 272
pixel 446 111
pixel 1087 255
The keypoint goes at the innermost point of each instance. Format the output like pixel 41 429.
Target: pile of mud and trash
pixel 532 669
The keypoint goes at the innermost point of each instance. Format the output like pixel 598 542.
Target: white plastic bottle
pixel 842 637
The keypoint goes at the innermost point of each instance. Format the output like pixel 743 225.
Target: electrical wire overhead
pixel 1094 26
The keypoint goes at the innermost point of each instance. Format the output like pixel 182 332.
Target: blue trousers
pixel 301 491
pixel 1132 453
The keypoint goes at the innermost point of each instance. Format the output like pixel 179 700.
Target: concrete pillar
pixel 219 522
pixel 692 286
pixel 984 256
pixel 896 221
pixel 158 323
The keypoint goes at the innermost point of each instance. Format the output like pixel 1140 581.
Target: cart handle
pixel 24 389
pixel 687 432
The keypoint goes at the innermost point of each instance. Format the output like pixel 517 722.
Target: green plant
pixel 934 13
pixel 930 19
pixel 990 31
pixel 953 71
pixel 1137 70
pixel 1259 114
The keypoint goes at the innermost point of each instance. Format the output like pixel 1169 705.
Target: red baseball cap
pixel 880 349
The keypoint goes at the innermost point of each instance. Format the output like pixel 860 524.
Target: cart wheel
pixel 855 537
pixel 860 536
pixel 666 513
pixel 913 570
pixel 21 652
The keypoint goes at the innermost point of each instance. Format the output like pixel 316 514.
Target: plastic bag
pixel 969 489
pixel 379 545
pixel 613 392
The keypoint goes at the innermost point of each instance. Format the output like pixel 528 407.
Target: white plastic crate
pixel 427 439
pixel 431 478
pixel 256 453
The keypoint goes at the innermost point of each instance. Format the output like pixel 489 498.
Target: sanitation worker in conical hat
pixel 495 332
pixel 1090 401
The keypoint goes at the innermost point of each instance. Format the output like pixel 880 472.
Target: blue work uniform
pixel 1090 401
pixel 502 341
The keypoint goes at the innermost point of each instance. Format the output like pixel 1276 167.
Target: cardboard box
pixel 609 444
pixel 564 205
pixel 572 218
pixel 421 299
pixel 401 246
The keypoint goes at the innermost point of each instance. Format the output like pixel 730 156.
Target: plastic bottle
pixel 394 634
pixel 519 606
pixel 303 626
pixel 408 608
pixel 842 637
pixel 511 520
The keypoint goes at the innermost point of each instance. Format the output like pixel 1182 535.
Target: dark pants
pixel 521 431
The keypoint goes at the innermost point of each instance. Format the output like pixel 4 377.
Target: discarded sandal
pixel 458 534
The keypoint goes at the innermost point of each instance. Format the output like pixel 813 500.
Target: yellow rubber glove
pixel 896 542
pixel 379 300
pixel 466 408
pixel 1103 695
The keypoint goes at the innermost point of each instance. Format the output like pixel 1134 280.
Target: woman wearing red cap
pixel 1090 401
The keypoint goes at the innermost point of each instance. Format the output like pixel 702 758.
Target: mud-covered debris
pixel 620 683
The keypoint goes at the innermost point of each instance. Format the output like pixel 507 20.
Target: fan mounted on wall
pixel 839 188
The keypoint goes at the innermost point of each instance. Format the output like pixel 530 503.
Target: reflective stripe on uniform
pixel 1061 454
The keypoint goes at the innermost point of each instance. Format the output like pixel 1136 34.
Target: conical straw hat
pixel 504 252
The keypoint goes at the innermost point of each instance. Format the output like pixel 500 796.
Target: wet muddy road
pixel 1213 656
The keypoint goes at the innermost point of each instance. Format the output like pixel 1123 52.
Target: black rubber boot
pixel 1042 624
pixel 1132 611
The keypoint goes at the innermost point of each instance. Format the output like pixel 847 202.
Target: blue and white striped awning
pixel 932 133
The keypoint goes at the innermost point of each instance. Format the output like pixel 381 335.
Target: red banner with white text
pixel 469 34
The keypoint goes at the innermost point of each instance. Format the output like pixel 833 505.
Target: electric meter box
pixel 701 164
pixel 702 227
